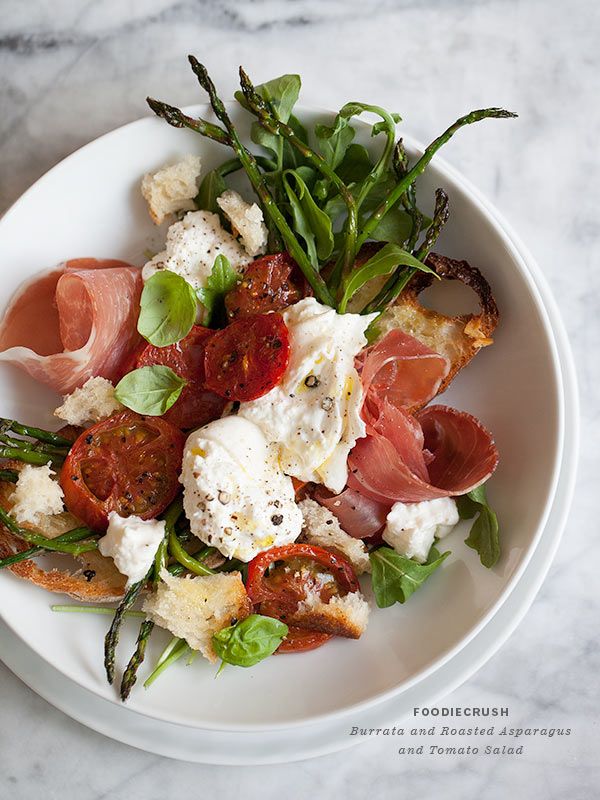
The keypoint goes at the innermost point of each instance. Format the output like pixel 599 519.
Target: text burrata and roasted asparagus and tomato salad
pixel 247 418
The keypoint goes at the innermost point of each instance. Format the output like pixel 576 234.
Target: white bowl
pixel 90 205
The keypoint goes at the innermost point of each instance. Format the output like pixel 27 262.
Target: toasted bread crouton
pixel 246 221
pixel 92 402
pixel 93 579
pixel 458 338
pixel 323 529
pixel 172 188
pixel 341 616
pixel 196 608
pixel 37 495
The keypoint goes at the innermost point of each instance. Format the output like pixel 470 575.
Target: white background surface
pixel 70 71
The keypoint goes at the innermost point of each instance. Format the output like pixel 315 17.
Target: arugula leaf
pixel 249 641
pixel 311 222
pixel 396 577
pixel 355 165
pixel 150 390
pixel 390 257
pixel 221 280
pixel 484 534
pixel 167 308
pixel 212 186
pixel 282 93
pixel 334 140
pixel 396 226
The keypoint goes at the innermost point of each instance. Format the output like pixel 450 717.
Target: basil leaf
pixel 149 390
pixel 167 308
pixel 383 262
pixel 212 186
pixel 396 577
pixel 311 222
pixel 249 641
pixel 221 280
pixel 334 140
pixel 484 534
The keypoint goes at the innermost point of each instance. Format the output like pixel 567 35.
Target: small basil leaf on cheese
pixel 484 534
pixel 167 308
pixel 395 577
pixel 221 280
pixel 149 390
pixel 249 641
pixel 390 257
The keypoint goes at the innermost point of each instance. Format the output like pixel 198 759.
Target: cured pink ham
pixel 359 516
pixel 458 454
pixel 74 322
pixel 403 370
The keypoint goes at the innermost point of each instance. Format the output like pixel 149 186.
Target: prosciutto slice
pixel 74 322
pixel 359 515
pixel 403 370
pixel 458 454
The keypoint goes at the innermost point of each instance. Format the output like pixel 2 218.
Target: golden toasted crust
pixel 458 338
pixel 106 585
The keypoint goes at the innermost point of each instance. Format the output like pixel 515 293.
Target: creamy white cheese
pixel 412 527
pixel 313 414
pixel 192 246
pixel 132 544
pixel 246 220
pixel 235 495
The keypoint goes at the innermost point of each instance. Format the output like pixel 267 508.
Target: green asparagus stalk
pixel 27 456
pixel 75 535
pixel 9 475
pixel 401 187
pixel 72 547
pixel 35 433
pixel 112 637
pixel 175 117
pixel 185 559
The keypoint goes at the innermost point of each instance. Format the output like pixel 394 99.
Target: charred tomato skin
pixel 270 283
pixel 127 463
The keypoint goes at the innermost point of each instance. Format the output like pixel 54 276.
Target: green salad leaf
pixel 390 257
pixel 150 390
pixel 484 535
pixel 311 222
pixel 211 187
pixel 334 140
pixel 249 641
pixel 221 280
pixel 396 577
pixel 167 308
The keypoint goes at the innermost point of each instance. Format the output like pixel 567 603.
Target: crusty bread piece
pixel 458 338
pixel 323 529
pixel 341 616
pixel 172 188
pixel 92 402
pixel 196 608
pixel 106 584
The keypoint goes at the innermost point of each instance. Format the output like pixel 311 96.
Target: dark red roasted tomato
pixel 127 463
pixel 270 283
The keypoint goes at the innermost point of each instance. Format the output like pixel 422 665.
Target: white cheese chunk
pixel 196 608
pixel 92 402
pixel 313 414
pixel 246 220
pixel 235 495
pixel 172 188
pixel 132 544
pixel 37 494
pixel 192 246
pixel 322 528
pixel 412 527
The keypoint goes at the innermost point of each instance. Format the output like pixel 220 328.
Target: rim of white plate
pixel 527 267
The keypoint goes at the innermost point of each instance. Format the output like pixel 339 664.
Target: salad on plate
pixel 247 418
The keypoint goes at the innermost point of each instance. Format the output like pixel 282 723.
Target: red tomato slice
pixel 246 359
pixel 270 283
pixel 196 404
pixel 279 579
pixel 127 463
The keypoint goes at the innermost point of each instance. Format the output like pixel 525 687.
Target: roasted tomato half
pixel 127 463
pixel 279 579
pixel 196 404
pixel 247 359
pixel 270 283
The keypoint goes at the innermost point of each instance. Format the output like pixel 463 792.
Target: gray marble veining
pixel 71 70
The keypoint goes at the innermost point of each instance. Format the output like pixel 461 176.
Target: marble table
pixel 71 70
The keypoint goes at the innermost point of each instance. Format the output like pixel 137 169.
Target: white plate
pixel 90 205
